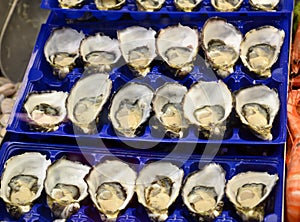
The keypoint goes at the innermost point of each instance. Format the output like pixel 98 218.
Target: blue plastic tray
pixel 135 211
pixel 39 77
pixel 167 8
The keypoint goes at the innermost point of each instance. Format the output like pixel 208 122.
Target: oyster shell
pixel 167 105
pixel 248 191
pixel 100 52
pixel 130 107
pixel 86 100
pixel 70 3
pixel 203 191
pixel 109 5
pixel 221 44
pixel 260 49
pixel 257 107
pixel 157 187
pixel 208 105
pixel 22 181
pixel 226 5
pixel 65 187
pixel 111 187
pixel 149 5
pixel 138 47
pixel 46 110
pixel 266 5
pixel 178 47
pixel 186 5
pixel 62 49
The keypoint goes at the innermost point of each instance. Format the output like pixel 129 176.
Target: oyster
pixel 208 105
pixel 22 181
pixel 46 110
pixel 111 187
pixel 226 5
pixel 65 187
pixel 99 52
pixel 186 5
pixel 178 47
pixel 248 191
pixel 109 5
pixel 62 49
pixel 138 47
pixel 260 49
pixel 167 105
pixel 149 5
pixel 221 44
pixel 70 3
pixel 266 5
pixel 130 107
pixel 257 107
pixel 157 187
pixel 203 191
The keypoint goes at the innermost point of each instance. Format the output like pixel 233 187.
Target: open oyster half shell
pixel 266 5
pixel 109 5
pixel 22 181
pixel 149 5
pixel 226 5
pixel 71 3
pixel 186 5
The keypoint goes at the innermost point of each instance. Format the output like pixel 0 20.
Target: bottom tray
pixel 135 211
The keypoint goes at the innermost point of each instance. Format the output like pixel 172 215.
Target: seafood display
pixel 226 5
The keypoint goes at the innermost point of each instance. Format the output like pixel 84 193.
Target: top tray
pixel 205 7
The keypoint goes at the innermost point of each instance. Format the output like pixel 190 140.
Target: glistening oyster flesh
pixel 65 187
pixel 70 3
pixel 22 181
pixel 186 5
pixel 266 5
pixel 111 187
pixel 157 187
pixel 203 191
pixel 150 5
pixel 226 5
pixel 109 5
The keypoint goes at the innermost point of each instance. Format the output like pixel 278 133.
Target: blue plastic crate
pixel 135 211
pixel 39 77
pixel 168 8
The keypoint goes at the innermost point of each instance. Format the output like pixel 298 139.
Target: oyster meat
pixel 167 105
pixel 130 107
pixel 62 49
pixel 266 5
pixel 178 47
pixel 99 52
pixel 71 3
pixel 157 187
pixel 260 49
pixel 65 187
pixel 149 5
pixel 221 44
pixel 203 191
pixel 111 187
pixel 226 5
pixel 257 107
pixel 138 47
pixel 248 192
pixel 109 5
pixel 22 181
pixel 187 5
pixel 46 110
pixel 208 105
pixel 86 101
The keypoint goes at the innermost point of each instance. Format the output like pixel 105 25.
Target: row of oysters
pixel 178 46
pixel 206 105
pixel 182 5
pixel 111 185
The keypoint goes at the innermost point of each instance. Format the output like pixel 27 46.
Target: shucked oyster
pixel 138 47
pixel 208 105
pixel 257 107
pixel 22 181
pixel 149 5
pixel 99 52
pixel 248 191
pixel 226 5
pixel 86 99
pixel 70 3
pixel 221 43
pixel 203 191
pixel 260 49
pixel 110 4
pixel 187 5
pixel 157 187
pixel 266 5
pixel 167 105
pixel 130 107
pixel 62 49
pixel 178 47
pixel 46 110
pixel 111 187
pixel 65 187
